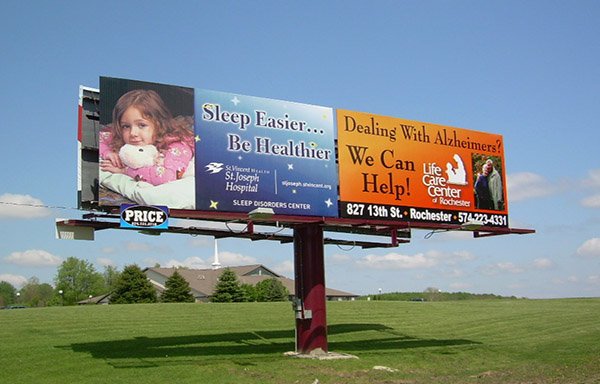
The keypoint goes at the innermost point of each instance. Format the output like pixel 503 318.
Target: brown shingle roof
pixel 203 281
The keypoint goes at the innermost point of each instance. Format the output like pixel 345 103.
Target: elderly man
pixel 495 186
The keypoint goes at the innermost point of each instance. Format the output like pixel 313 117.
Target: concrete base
pixel 319 354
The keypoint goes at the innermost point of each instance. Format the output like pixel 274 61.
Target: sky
pixel 525 70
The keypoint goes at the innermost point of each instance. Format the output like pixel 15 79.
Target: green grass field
pixel 499 341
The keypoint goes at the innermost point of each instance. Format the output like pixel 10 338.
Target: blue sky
pixel 526 70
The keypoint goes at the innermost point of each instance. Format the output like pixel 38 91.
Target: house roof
pixel 95 300
pixel 203 281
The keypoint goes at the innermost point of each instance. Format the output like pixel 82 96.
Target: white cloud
pixel 455 272
pixel 527 185
pixel 458 256
pixel 137 247
pixel 201 241
pixel 591 201
pixel 573 279
pixel 134 246
pixel 451 258
pixel 285 268
pixel 106 262
pixel 460 285
pixel 509 267
pixel 452 235
pixel 593 182
pixel 590 248
pixel 397 261
pixel 22 207
pixel 227 259
pixel 17 281
pixel 594 178
pixel 339 258
pixel 543 263
pixel 151 261
pixel 498 268
pixel 235 259
pixel 193 262
pixel 420 260
pixel 34 258
pixel 594 279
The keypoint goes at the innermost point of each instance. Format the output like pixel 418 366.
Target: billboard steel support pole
pixel 309 271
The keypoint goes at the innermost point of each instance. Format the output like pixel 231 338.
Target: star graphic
pixel 293 191
pixel 197 138
pixel 213 204
pixel 235 100
pixel 328 202
pixel 290 167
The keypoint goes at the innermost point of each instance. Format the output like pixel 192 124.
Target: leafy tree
pixel 228 288
pixel 250 292
pixel 271 290
pixel 177 290
pixel 8 293
pixel 78 279
pixel 133 287
pixel 433 293
pixel 34 294
pixel 111 276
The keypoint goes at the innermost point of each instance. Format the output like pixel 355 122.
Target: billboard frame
pixel 308 235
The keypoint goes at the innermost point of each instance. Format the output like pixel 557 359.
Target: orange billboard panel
pixel 398 169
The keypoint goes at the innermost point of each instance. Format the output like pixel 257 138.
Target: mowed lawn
pixel 502 341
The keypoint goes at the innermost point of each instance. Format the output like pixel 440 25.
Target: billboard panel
pixel 397 169
pixel 146 144
pixel 87 147
pixel 189 148
pixel 262 153
pixel 197 149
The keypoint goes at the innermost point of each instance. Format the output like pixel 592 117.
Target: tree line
pixel 434 294
pixel 77 280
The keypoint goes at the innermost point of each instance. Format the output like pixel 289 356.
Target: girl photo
pixel 146 144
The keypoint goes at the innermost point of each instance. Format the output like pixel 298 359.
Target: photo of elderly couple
pixel 489 192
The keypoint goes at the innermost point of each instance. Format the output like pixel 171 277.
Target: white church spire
pixel 216 264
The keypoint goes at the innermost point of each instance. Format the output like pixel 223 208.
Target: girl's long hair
pixel 167 128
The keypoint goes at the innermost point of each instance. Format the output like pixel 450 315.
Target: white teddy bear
pixel 138 156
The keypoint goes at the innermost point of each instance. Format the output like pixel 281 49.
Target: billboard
pixel 262 153
pixel 191 148
pixel 398 169
pixel 197 149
